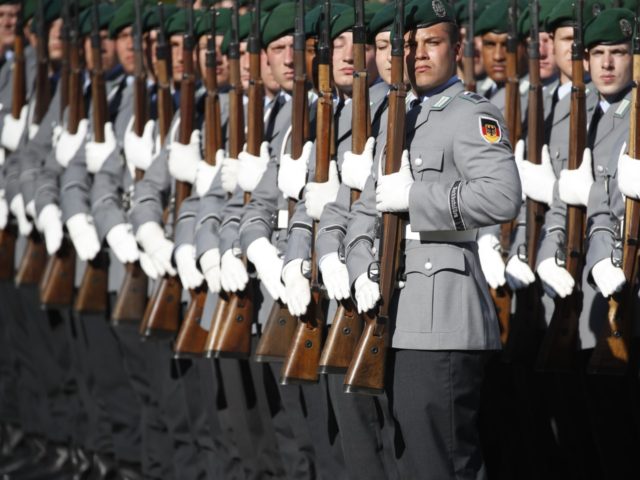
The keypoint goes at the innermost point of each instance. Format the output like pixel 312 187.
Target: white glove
pixel 335 276
pixel 84 236
pixel 122 242
pixel 491 260
pixel 629 176
pixel 147 265
pixel 30 209
pixel 574 185
pixel 33 130
pixel 537 180
pixel 68 145
pixel 184 159
pixel 229 174
pixel 55 135
pixel 233 273
pixel 367 293
pixel 392 191
pixel 205 173
pixel 139 150
pixel 50 219
pixel 13 129
pixel 518 273
pixel 210 266
pixel 556 281
pixel 264 257
pixel 356 168
pixel 292 173
pixel 17 208
pixel 157 246
pixel 97 153
pixel 317 195
pixel 252 168
pixel 4 211
pixel 297 287
pixel 190 276
pixel 609 278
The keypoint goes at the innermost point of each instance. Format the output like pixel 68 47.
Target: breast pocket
pixel 432 300
pixel 426 163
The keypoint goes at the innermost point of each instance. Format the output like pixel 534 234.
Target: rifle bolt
pixel 308 344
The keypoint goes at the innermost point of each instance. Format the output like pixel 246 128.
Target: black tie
pixel 593 126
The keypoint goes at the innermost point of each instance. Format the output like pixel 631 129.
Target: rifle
pixel 9 234
pixel 301 364
pixel 528 300
pixel 162 315
pixel 93 292
pixel 33 262
pixel 192 337
pixel 502 295
pixel 612 351
pixel 231 337
pixel 347 323
pixel 132 297
pixel 367 369
pixel 469 53
pixel 280 327
pixel 557 352
pixel 57 284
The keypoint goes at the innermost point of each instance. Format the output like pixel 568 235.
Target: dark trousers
pixel 9 362
pixel 435 396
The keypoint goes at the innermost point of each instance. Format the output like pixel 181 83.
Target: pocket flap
pixel 429 259
pixel 427 159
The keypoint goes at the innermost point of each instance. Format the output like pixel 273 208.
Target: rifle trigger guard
pixel 373 271
pixel 522 253
pixel 561 258
pixel 616 257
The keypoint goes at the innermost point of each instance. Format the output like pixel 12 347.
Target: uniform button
pixel 428 265
pixel 374 250
pixel 418 161
pixel 600 168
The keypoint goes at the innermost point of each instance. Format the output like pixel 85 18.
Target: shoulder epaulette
pixel 442 102
pixel 473 97
pixel 622 108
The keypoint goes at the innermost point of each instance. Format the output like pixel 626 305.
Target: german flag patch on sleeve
pixel 490 130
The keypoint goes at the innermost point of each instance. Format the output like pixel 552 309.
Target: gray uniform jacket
pixel 464 180
pixel 6 80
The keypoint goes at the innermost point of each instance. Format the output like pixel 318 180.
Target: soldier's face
pixel 562 40
pixel 150 41
pixel 124 48
pixel 610 67
pixel 430 58
pixel 342 62
pixel 280 59
pixel 244 66
pixel 55 42
pixel 271 86
pixel 222 64
pixel 309 57
pixel 383 55
pixel 108 49
pixel 8 17
pixel 494 55
pixel 176 57
pixel 548 66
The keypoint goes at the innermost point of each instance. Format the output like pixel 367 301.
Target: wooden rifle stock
pixel 8 237
pixel 33 261
pixel 56 286
pixel 558 349
pixel 92 296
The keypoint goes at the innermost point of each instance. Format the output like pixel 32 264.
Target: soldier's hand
pixel 556 281
pixel 574 185
pixel 148 266
pixel 4 211
pixel 537 180
pixel 139 151
pixel 190 276
pixel 629 176
pixel 157 246
pixel 83 236
pixel 233 273
pixel 252 167
pixel 229 174
pixel 518 273
pixel 13 129
pixel 292 173
pixel 609 278
pixel 206 173
pixel 298 290
pixel 184 159
pixel 18 210
pixel 317 195
pixel 392 191
pixel 356 168
pixel 335 276
pixel 97 153
pixel 50 220
pixel 69 144
pixel 122 242
pixel 491 260
pixel 367 293
pixel 264 256
pixel 210 266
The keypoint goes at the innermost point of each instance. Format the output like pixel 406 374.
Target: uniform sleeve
pixel 75 187
pixel 209 216
pixel 106 196
pixel 602 225
pixel 230 225
pixel 258 215
pixel 333 223
pixel 151 194
pixel 186 221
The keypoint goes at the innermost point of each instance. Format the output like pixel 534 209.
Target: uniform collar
pixel 439 89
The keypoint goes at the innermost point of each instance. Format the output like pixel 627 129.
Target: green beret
pixel 123 17
pixel 150 16
pixel 346 19
pixel 562 14
pixel 278 23
pixel 267 6
pixel 244 27
pixel 612 26
pixel 544 9
pixel 177 23
pixel 313 18
pixel 52 10
pixel 105 15
pixel 423 14
pixel 223 21
pixel 462 10
pixel 381 21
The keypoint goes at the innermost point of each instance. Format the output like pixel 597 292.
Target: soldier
pixel 449 183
